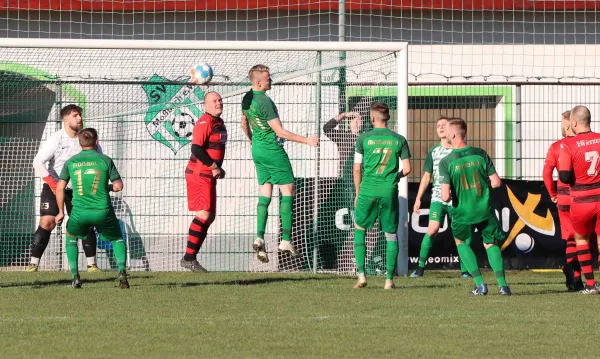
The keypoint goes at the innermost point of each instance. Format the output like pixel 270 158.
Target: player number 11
pixel 80 180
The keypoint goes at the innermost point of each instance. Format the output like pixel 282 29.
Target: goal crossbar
pixel 206 45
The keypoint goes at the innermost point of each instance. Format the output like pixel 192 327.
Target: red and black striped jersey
pixel 562 191
pixel 581 154
pixel 210 134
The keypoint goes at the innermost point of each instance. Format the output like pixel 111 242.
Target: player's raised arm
pixel 276 126
pixel 246 128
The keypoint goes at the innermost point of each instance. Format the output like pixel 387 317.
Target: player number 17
pixel 94 172
pixel 592 157
pixel 383 162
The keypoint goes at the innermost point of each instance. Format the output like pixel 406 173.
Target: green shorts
pixel 105 222
pixel 438 212
pixel 272 166
pixel 369 209
pixel 489 229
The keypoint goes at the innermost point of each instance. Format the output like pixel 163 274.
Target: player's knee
pixel 458 242
pixel 432 230
pixel 489 245
pixel 359 228
pixel 287 189
pixel 391 237
pixel 48 223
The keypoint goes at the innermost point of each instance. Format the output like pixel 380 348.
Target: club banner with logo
pixel 527 216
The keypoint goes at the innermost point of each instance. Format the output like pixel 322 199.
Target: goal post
pixel 137 94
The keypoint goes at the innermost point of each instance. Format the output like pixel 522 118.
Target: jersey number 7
pixel 383 161
pixel 94 172
pixel 592 157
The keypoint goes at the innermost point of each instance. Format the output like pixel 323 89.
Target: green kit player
pixel 385 158
pixel 91 172
pixel 464 176
pixel 262 126
pixel 438 210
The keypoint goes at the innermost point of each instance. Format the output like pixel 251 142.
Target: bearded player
pixel 464 175
pixel 48 164
pixel 262 126
pixel 382 158
pixel 562 197
pixel 578 167
pixel 438 210
pixel 90 173
pixel 201 175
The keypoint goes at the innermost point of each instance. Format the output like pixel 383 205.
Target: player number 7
pixel 383 162
pixel 592 157
pixel 80 180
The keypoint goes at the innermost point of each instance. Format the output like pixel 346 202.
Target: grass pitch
pixel 226 315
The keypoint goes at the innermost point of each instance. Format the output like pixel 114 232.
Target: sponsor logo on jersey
pixel 172 111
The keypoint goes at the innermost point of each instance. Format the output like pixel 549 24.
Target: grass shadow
pixel 242 282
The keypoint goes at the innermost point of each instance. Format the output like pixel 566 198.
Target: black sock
pixel 89 244
pixel 40 242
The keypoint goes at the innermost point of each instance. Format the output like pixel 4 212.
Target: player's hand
pixel 312 141
pixel 554 199
pixel 59 218
pixel 218 173
pixel 417 207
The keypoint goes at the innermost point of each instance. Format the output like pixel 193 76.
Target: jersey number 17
pixel 79 176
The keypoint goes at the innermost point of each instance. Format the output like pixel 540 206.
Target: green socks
pixel 463 268
pixel 391 254
pixel 286 214
pixel 262 213
pixel 120 251
pixel 495 258
pixel 72 255
pixel 467 256
pixel 360 250
pixel 425 247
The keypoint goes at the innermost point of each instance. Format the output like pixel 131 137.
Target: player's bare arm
pixel 275 125
pixel 445 192
pixel 406 168
pixel 246 128
pixel 495 181
pixel 357 175
pixel 60 200
pixel 425 180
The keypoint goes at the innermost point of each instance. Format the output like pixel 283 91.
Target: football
pixel 183 124
pixel 202 74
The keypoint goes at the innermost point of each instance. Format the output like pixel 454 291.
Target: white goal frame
pixel 400 48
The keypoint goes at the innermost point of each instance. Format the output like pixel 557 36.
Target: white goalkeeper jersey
pixel 54 153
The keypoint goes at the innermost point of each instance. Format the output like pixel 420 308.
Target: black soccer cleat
pixel 481 290
pixel 419 272
pixel 505 291
pixel 123 282
pixel 76 283
pixel 194 266
pixel 579 286
pixel 569 277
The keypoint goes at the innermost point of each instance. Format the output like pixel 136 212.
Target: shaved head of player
pixel 213 104
pixel 580 119
pixel 578 164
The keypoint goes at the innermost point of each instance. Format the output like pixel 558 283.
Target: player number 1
pixel 383 162
pixel 592 157
pixel 94 172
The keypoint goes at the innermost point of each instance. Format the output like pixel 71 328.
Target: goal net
pixel 137 94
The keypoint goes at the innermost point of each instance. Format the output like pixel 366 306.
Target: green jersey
pixel 259 109
pixel 90 172
pixel 382 151
pixel 432 161
pixel 467 170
